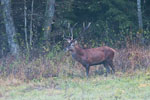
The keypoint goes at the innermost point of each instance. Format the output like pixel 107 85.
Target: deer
pixel 91 56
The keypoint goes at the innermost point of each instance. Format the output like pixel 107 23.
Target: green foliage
pixel 114 23
pixel 109 17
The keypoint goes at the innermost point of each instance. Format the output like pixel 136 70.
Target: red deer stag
pixel 93 56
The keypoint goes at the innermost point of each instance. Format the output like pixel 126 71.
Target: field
pixel 62 78
pixel 114 87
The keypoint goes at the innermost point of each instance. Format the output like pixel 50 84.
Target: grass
pixel 124 87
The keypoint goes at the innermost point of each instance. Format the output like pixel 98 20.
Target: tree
pixel 140 21
pixel 25 26
pixel 49 14
pixel 31 23
pixel 9 26
pixel 139 12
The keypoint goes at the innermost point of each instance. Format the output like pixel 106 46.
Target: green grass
pixel 126 87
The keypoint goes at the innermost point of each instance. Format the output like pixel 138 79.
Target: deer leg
pixel 87 70
pixel 107 68
pixel 112 67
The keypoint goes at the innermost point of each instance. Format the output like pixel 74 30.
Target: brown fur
pixel 94 56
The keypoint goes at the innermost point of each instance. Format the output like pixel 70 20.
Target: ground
pixel 114 87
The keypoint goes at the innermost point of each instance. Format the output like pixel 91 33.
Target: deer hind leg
pixel 112 66
pixel 106 65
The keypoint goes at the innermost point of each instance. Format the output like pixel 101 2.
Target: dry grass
pixel 133 58
pixel 126 60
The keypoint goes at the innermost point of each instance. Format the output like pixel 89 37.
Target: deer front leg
pixel 87 70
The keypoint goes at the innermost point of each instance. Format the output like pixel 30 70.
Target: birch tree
pixel 49 14
pixel 9 26
pixel 25 26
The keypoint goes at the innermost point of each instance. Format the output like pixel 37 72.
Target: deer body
pixel 93 56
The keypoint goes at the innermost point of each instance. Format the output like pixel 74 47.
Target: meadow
pixel 118 87
pixel 59 77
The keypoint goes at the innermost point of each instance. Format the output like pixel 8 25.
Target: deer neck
pixel 77 53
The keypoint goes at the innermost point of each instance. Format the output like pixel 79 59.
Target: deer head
pixel 71 45
pixel 71 41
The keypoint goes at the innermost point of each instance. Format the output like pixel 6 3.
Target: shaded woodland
pixel 39 25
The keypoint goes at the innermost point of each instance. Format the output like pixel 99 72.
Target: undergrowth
pixel 126 60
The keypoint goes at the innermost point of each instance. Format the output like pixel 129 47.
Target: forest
pixel 29 26
pixel 33 48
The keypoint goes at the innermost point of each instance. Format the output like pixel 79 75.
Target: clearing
pixel 124 87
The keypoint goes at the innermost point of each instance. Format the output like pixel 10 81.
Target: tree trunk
pixel 139 12
pixel 25 26
pixel 9 26
pixel 49 14
pixel 140 21
pixel 31 22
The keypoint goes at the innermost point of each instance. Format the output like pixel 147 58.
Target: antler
pixel 71 32
pixel 85 27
